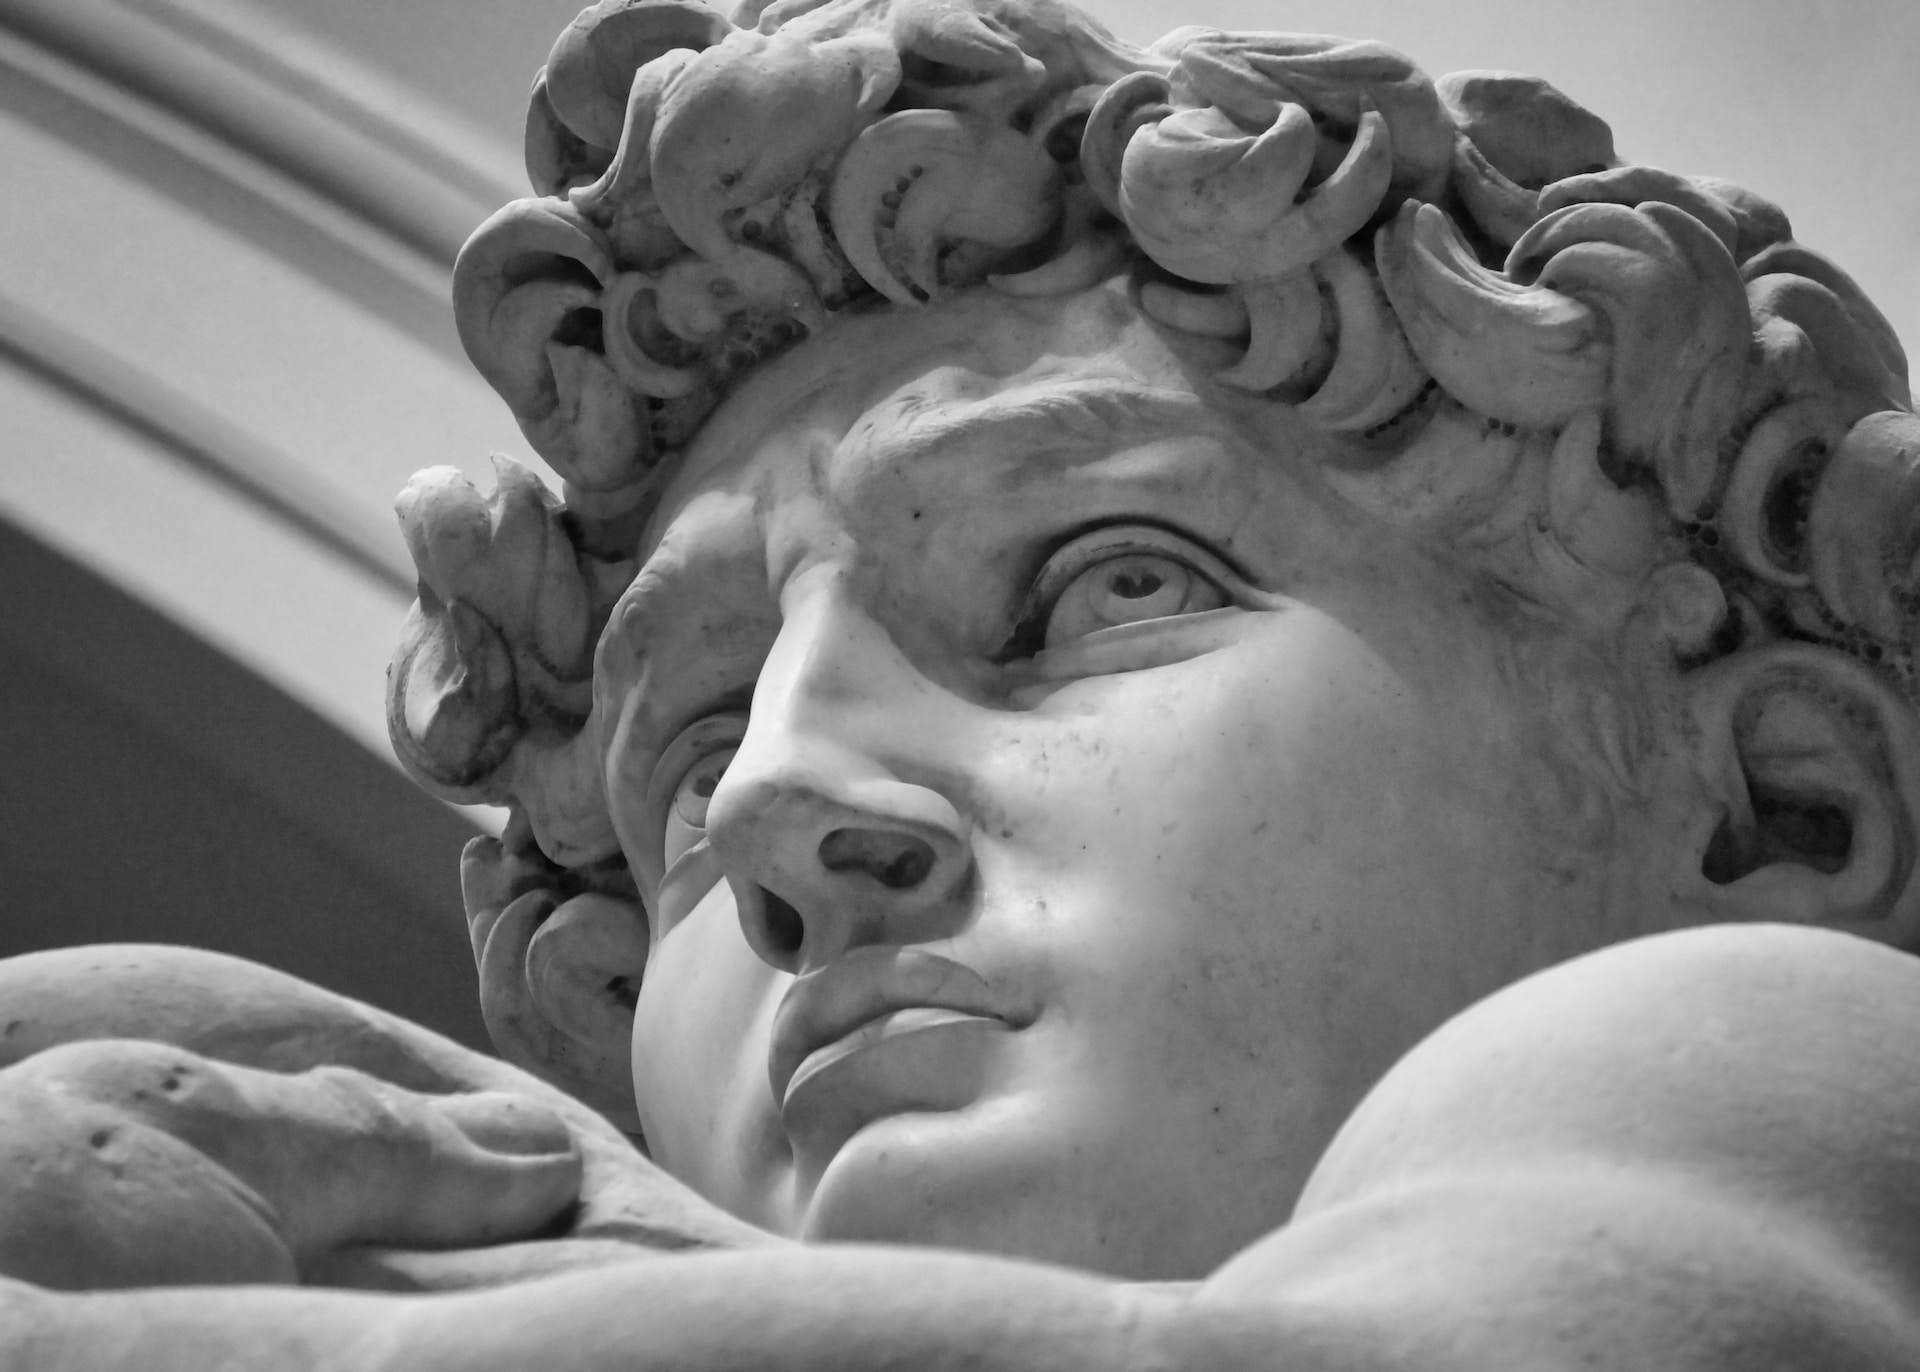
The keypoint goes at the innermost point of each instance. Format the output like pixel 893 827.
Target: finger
pixel 90 1200
pixel 369 1162
pixel 339 1156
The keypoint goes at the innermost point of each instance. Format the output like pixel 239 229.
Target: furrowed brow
pixel 1070 420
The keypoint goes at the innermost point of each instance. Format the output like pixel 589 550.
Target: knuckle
pixel 151 1079
pixel 363 1105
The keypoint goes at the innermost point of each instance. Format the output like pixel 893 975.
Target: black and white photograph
pixel 1010 685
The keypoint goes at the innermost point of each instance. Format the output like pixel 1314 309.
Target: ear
pixel 1812 760
pixel 558 976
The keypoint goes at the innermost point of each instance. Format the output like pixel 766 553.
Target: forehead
pixel 973 410
pixel 940 455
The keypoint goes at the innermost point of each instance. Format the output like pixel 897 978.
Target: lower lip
pixel 923 1058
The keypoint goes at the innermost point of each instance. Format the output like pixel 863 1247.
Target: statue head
pixel 1100 594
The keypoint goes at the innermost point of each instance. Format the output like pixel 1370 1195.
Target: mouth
pixel 871 997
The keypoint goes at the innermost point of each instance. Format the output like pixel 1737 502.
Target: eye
pixel 1115 577
pixel 692 767
pixel 687 816
pixel 1127 589
pixel 697 786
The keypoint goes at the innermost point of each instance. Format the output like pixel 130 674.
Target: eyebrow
pixel 1065 420
pixel 631 646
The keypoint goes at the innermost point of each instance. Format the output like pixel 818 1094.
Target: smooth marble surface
pixel 1257 708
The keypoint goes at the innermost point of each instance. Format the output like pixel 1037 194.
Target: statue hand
pixel 126 1163
pixel 264 1024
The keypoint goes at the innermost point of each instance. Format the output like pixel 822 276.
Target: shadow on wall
pixel 156 791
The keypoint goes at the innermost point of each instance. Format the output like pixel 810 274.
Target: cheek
pixel 1243 848
pixel 1293 748
pixel 700 1037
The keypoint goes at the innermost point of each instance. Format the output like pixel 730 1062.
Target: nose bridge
pixel 832 663
pixel 830 813
pixel 836 697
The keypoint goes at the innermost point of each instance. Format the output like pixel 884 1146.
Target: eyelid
pixel 708 734
pixel 1115 540
pixel 1109 541
pixel 1136 647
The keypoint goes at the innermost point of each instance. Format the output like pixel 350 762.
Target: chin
pixel 1001 1177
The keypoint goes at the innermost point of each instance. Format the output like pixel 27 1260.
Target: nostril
pixel 910 868
pixel 895 860
pixel 784 928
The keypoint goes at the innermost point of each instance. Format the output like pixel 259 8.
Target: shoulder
pixel 1700 1150
pixel 1758 1052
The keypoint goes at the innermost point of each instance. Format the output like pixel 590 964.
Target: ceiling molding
pixel 228 71
pixel 388 113
pixel 332 166
pixel 201 440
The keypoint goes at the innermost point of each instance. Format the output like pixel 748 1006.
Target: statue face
pixel 1060 810
pixel 1055 807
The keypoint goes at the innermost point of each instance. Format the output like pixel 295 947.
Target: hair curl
pixel 1459 277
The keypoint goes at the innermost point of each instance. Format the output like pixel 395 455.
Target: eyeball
pixel 696 788
pixel 685 778
pixel 687 812
pixel 1129 588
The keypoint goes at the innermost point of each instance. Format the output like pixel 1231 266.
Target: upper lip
pixel 825 1006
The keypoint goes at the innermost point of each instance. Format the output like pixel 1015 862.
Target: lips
pixel 828 1014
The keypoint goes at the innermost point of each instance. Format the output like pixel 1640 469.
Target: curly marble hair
pixel 1626 371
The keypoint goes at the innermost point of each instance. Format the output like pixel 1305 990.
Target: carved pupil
pixel 1135 584
pixel 697 788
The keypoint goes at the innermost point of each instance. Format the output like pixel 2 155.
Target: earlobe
pixel 558 978
pixel 1812 761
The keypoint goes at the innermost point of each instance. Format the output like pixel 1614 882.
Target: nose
pixel 831 822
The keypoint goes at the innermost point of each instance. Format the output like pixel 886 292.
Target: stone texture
pixel 1147 665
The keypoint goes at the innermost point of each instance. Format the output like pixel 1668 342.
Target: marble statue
pixel 1213 706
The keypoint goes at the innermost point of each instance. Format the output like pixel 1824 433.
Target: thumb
pixel 356 1160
